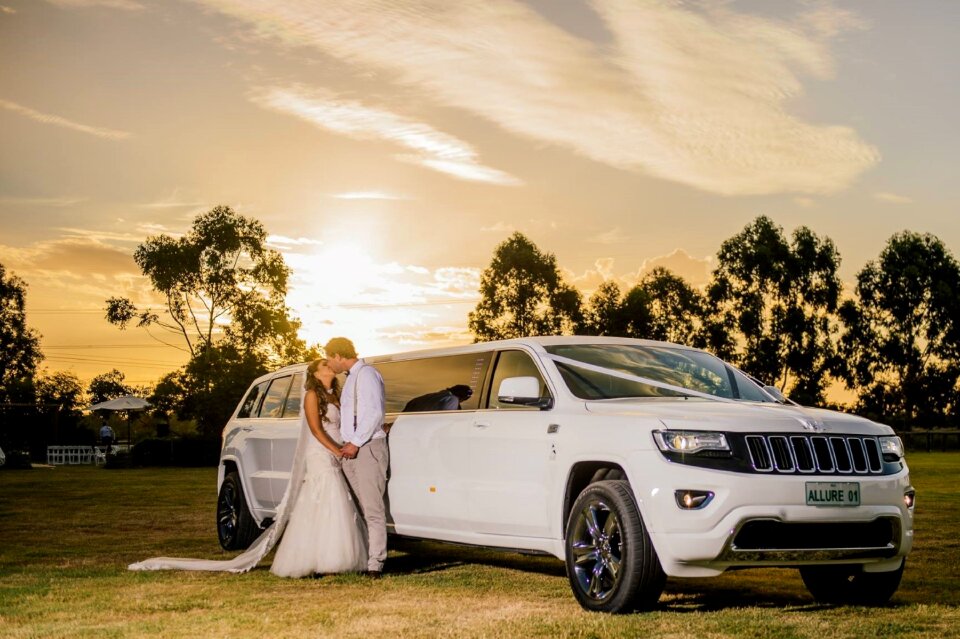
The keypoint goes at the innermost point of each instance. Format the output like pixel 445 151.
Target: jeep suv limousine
pixel 630 460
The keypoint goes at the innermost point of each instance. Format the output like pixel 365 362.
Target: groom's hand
pixel 349 450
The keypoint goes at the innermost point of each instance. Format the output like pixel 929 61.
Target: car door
pixel 254 448
pixel 430 438
pixel 509 470
pixel 286 433
pixel 266 430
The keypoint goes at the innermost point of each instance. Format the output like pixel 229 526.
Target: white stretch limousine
pixel 629 459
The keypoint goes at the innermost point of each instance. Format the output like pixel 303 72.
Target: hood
pixel 742 417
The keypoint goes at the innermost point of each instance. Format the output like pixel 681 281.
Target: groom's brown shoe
pixel 374 574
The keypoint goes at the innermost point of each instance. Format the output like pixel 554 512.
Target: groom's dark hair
pixel 340 346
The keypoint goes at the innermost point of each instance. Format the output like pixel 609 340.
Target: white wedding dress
pixel 321 529
pixel 325 533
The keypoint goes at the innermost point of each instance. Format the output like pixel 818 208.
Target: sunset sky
pixel 389 145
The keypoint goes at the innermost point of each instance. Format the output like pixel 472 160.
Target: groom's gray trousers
pixel 367 476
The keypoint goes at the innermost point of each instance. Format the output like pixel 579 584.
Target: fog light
pixel 693 499
pixel 910 498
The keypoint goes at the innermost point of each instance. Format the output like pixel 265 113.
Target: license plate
pixel 826 493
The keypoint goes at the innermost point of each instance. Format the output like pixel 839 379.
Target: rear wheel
pixel 611 564
pixel 236 528
pixel 850 584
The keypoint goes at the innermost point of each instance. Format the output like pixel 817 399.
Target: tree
pixel 108 386
pixel 19 345
pixel 224 296
pixel 612 314
pixel 219 281
pixel 771 303
pixel 901 339
pixel 523 294
pixel 61 391
pixel 675 308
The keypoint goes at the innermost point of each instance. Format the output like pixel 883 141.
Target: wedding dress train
pixel 321 529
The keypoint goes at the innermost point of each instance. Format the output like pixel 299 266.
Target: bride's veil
pixel 267 540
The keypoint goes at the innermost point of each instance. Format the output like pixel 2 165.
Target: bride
pixel 317 522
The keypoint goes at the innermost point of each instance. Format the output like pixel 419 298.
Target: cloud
pixel 613 236
pixel 695 270
pixel 7 10
pixel 174 201
pixel 805 202
pixel 499 227
pixel 46 118
pixel 431 148
pixel 368 195
pixel 58 202
pixel 128 5
pixel 283 241
pixel 892 198
pixel 70 257
pixel 692 93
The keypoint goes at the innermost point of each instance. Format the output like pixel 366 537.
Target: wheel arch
pixel 581 475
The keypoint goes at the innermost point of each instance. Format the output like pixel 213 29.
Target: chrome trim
pixel 732 554
pixel 825 462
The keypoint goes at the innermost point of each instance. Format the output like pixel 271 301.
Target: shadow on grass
pixel 427 556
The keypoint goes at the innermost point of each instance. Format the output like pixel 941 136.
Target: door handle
pixel 246 429
pixel 480 425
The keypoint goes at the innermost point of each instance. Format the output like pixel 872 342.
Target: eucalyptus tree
pixel 771 306
pixel 19 345
pixel 222 294
pixel 675 308
pixel 220 281
pixel 901 336
pixel 522 293
pixel 108 386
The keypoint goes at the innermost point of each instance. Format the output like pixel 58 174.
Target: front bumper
pixel 706 542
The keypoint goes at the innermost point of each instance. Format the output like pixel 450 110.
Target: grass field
pixel 67 534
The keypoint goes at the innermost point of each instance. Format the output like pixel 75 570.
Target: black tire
pixel 849 584
pixel 236 528
pixel 611 564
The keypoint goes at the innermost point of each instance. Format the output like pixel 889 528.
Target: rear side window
pixel 514 364
pixel 275 398
pixel 292 407
pixel 437 383
pixel 251 404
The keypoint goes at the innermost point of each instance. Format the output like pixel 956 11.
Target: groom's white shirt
pixel 371 401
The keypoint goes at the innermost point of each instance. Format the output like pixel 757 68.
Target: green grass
pixel 67 534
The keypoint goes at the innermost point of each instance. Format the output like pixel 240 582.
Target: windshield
pixel 682 367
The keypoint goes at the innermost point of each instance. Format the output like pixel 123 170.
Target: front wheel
pixel 848 584
pixel 611 563
pixel 236 528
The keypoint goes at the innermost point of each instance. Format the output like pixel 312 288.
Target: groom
pixel 365 453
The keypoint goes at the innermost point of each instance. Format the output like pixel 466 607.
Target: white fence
pixel 63 455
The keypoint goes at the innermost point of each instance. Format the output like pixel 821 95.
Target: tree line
pixel 774 307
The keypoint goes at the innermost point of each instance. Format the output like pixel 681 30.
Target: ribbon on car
pixel 635 378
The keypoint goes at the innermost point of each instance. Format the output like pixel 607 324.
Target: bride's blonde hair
pixel 323 397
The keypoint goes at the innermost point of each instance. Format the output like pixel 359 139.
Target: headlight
pixel 891 448
pixel 690 441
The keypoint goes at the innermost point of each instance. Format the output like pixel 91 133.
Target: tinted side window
pixel 276 396
pixel 423 384
pixel 292 407
pixel 252 401
pixel 514 364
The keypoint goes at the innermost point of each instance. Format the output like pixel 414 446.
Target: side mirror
pixel 777 395
pixel 522 391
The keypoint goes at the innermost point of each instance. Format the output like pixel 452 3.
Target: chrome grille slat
pixel 833 455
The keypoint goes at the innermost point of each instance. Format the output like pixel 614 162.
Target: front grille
pixel 842 455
